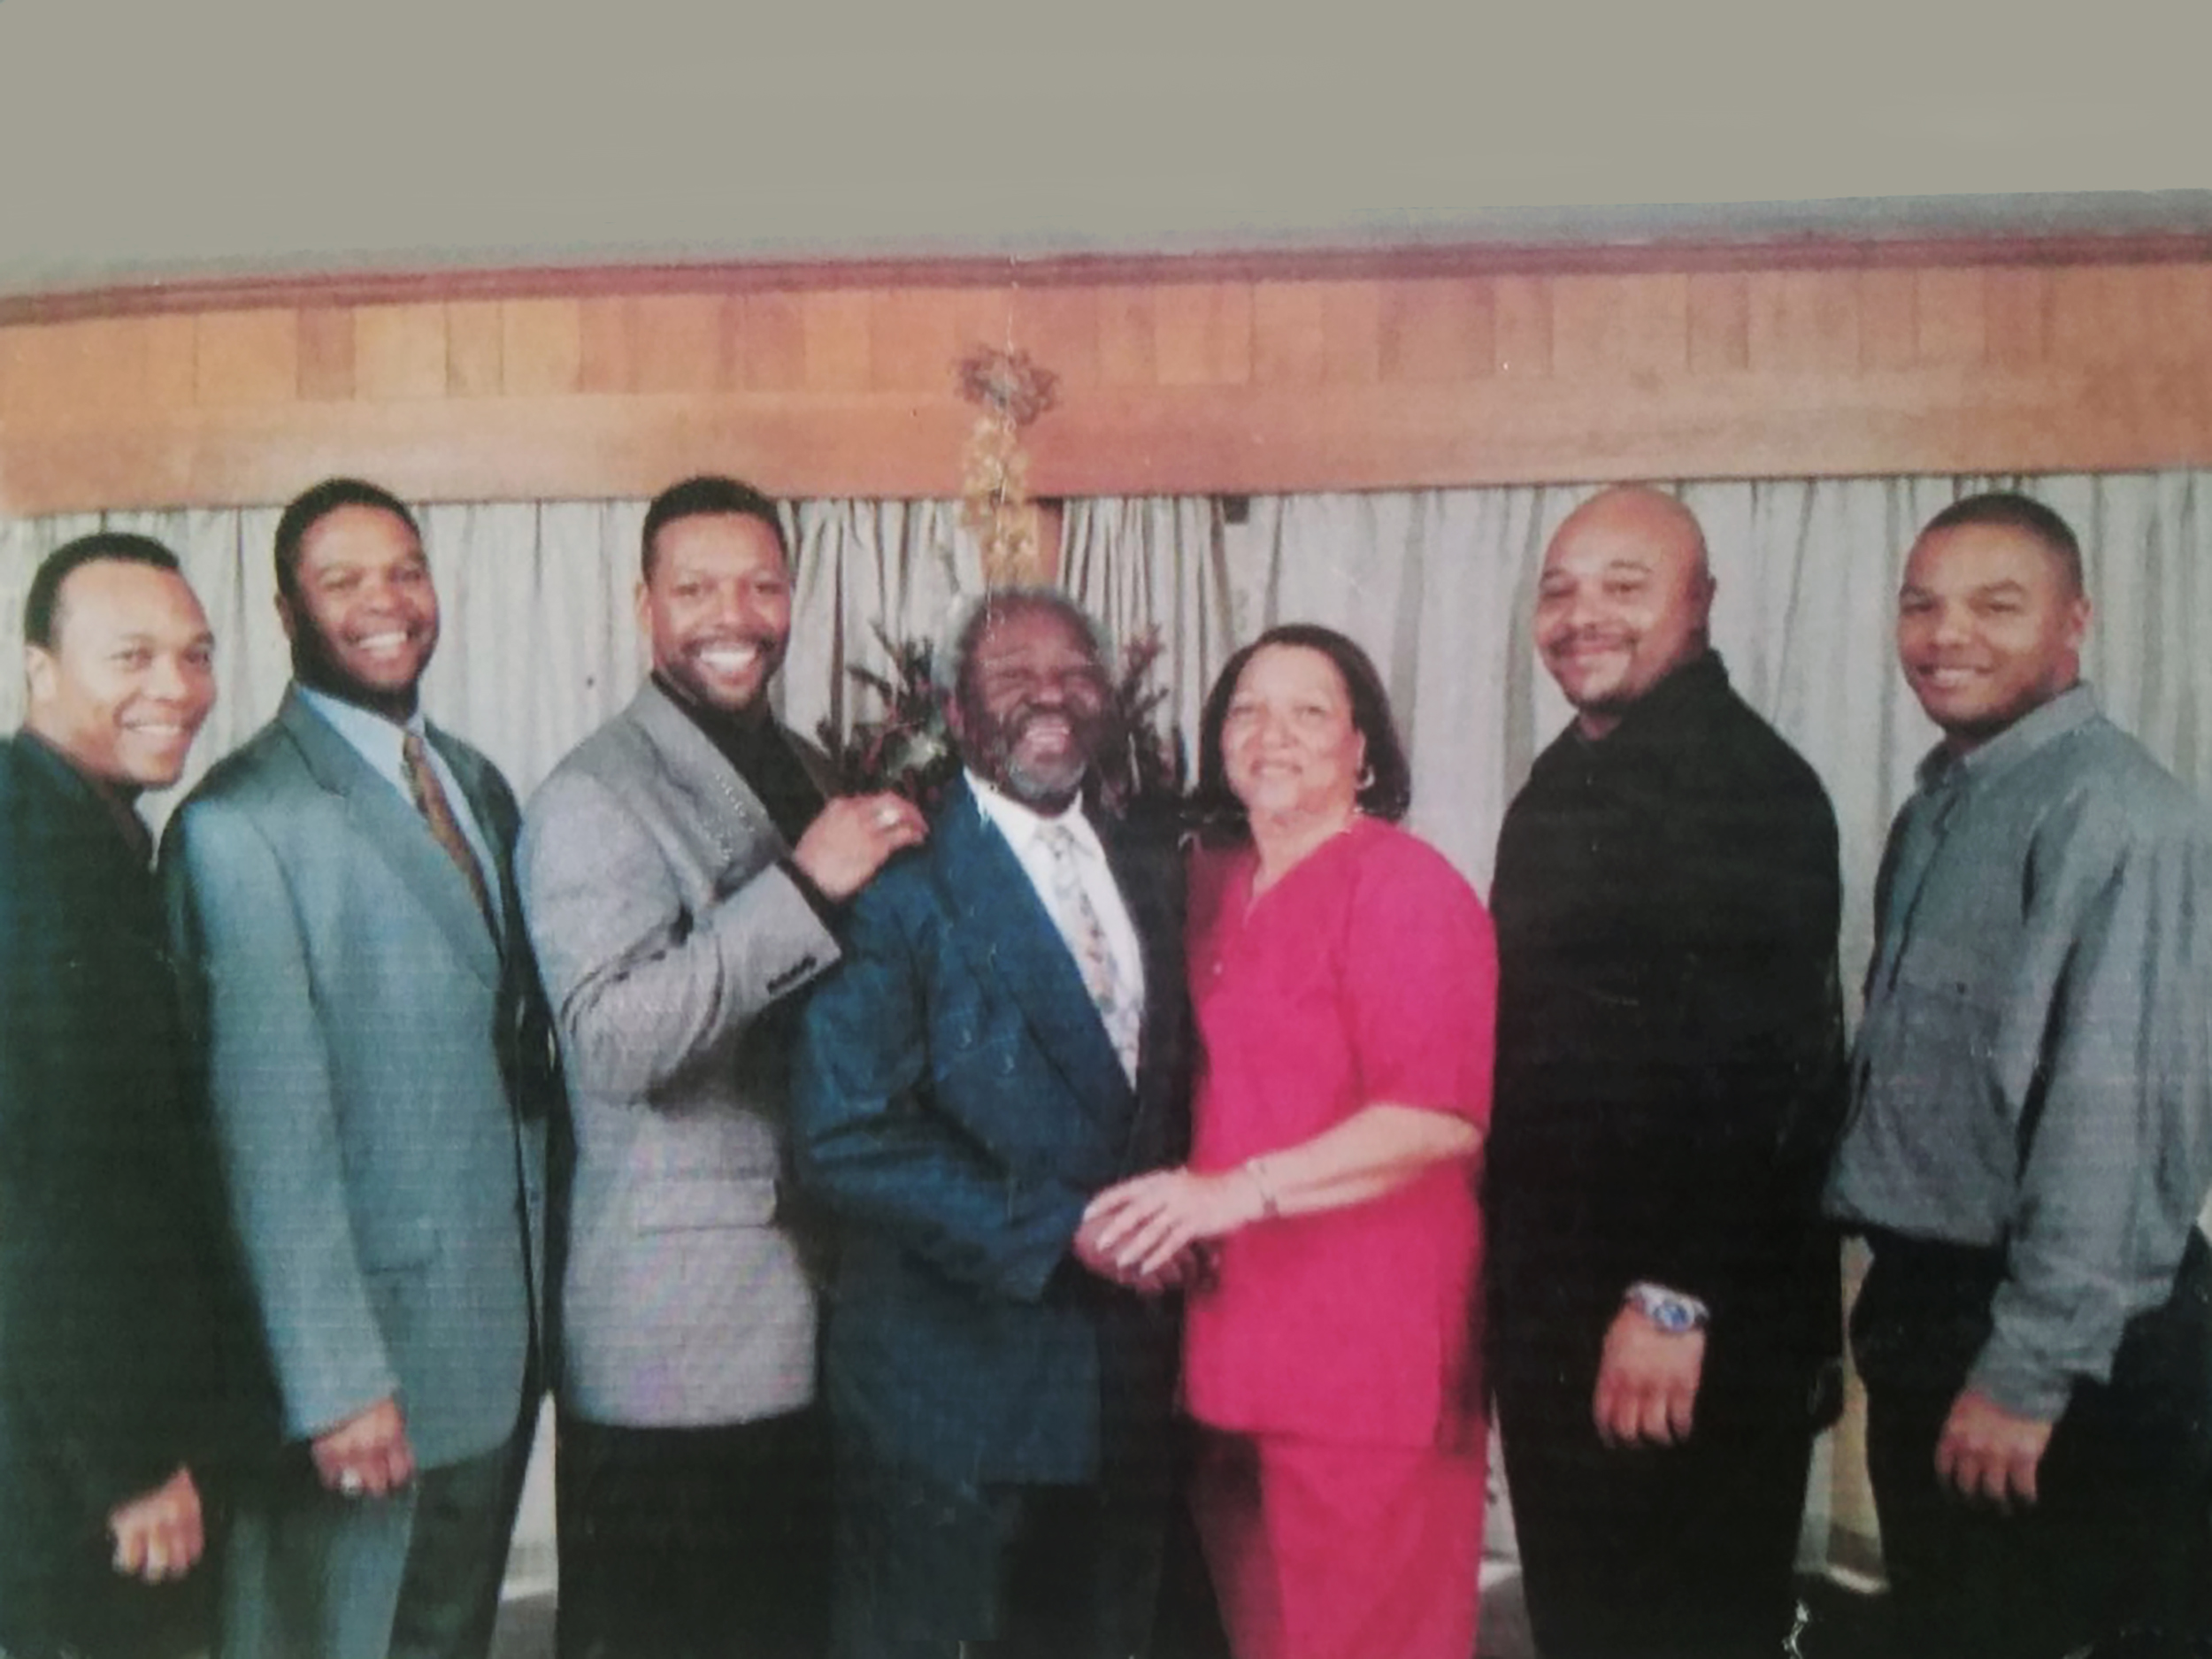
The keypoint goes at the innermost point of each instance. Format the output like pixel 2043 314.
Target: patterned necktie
pixel 437 811
pixel 1119 1009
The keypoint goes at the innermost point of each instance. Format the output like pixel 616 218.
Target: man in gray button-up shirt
pixel 2030 1135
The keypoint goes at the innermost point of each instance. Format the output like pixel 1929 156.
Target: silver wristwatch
pixel 1675 1314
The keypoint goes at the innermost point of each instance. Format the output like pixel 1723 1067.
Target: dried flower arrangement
pixel 1013 391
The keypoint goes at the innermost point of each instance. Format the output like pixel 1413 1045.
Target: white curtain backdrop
pixel 1158 566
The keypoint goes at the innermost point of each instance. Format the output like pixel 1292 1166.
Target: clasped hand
pixel 1150 1232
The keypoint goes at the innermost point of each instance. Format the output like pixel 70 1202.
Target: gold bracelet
pixel 1256 1168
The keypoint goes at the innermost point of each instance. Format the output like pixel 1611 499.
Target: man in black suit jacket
pixel 116 1292
pixel 991 1052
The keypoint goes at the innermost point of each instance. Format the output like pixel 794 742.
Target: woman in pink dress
pixel 1344 980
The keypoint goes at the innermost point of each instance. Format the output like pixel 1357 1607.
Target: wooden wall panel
pixel 1438 328
pixel 540 347
pixel 2016 320
pixel 476 343
pixel 1060 328
pixel 2103 315
pixel 400 353
pixel 1620 325
pixel 94 367
pixel 172 361
pixel 1889 319
pixel 1804 321
pixel 2181 304
pixel 917 337
pixel 1521 327
pixel 1719 322
pixel 773 334
pixel 1201 382
pixel 1351 333
pixel 1202 334
pixel 1128 348
pixel 602 344
pixel 675 343
pixel 326 353
pixel 1290 347
pixel 837 337
pixel 1951 316
pixel 246 358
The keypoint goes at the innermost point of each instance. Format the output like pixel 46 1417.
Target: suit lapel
pixel 729 811
pixel 397 835
pixel 1009 937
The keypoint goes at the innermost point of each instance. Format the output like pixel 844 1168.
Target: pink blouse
pixel 1367 975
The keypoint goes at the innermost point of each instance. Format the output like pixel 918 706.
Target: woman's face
pixel 1288 747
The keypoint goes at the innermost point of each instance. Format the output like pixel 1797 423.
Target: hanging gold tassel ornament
pixel 1013 391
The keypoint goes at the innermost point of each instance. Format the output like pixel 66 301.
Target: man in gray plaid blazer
pixel 679 871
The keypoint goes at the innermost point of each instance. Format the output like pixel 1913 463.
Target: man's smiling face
pixel 360 609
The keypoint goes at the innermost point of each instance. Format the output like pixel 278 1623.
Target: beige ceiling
pixel 153 139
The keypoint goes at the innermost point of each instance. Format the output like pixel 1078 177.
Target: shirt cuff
pixel 2021 1388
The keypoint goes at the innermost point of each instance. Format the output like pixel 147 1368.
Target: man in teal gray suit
pixel 377 1073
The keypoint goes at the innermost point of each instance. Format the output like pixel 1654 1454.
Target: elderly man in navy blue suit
pixel 1003 1039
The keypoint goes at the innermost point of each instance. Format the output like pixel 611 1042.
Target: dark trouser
pixel 927 1570
pixel 1680 1552
pixel 413 1576
pixel 676 1542
pixel 2120 1538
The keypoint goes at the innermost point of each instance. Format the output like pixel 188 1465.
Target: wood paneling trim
pixel 1402 264
pixel 1124 440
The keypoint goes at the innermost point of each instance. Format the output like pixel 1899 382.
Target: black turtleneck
pixel 756 746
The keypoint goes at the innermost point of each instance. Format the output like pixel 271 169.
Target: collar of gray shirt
pixel 1942 770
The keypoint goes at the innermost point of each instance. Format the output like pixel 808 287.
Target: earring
pixel 1366 779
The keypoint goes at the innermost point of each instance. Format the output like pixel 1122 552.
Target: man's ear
pixel 289 616
pixel 2079 612
pixel 40 674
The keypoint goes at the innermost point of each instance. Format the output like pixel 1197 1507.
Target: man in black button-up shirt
pixel 1663 1315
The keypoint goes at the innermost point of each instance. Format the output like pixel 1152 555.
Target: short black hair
pixel 2008 510
pixel 706 496
pixel 1005 601
pixel 1388 791
pixel 311 506
pixel 42 605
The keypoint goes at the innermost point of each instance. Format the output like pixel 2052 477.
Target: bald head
pixel 1624 601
